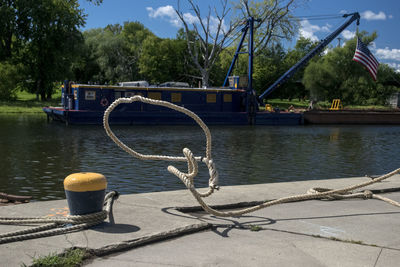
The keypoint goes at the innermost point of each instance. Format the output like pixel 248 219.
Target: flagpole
pixel 357 31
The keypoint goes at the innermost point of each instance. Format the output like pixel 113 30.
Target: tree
pixel 276 21
pixel 206 41
pixel 224 61
pixel 50 43
pixel 85 67
pixel 268 66
pixel 162 60
pixel 40 39
pixel 8 26
pixel 293 87
pixel 112 54
pixel 10 78
pixel 335 75
pixel 14 26
pixel 134 34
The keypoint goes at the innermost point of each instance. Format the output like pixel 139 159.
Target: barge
pixel 377 117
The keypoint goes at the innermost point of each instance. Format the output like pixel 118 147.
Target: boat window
pixel 176 97
pixel 90 95
pixel 117 94
pixel 154 95
pixel 129 94
pixel 227 97
pixel 211 98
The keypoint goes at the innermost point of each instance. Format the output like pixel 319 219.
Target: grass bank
pixel 285 103
pixel 27 103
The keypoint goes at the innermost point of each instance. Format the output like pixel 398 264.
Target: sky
pixel 382 16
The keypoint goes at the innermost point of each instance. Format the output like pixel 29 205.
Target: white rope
pixel 207 160
pixel 54 226
pixel 188 177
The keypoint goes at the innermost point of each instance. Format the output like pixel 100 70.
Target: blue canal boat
pixel 85 104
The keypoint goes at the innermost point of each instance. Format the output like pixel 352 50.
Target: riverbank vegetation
pixel 71 258
pixel 42 45
pixel 25 102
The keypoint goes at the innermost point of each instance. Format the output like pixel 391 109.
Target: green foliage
pixel 43 36
pixel 52 45
pixel 131 52
pixel 293 88
pixel 255 228
pixel 335 75
pixel 268 67
pixel 162 59
pixel 71 258
pixel 85 66
pixel 111 55
pixel 284 104
pixel 10 76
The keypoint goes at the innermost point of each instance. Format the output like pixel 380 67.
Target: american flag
pixel 365 57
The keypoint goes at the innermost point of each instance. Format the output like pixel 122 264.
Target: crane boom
pixel 311 54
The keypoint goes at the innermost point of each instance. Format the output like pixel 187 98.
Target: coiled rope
pixel 188 177
pixel 55 226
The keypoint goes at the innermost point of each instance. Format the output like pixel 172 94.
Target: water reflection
pixel 37 156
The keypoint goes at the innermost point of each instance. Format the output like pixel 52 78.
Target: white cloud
pixel 308 30
pixel 326 51
pixel 390 16
pixel 370 15
pixel 214 24
pixel 168 12
pixel 395 66
pixel 189 18
pixel 386 53
pixel 326 28
pixel 348 34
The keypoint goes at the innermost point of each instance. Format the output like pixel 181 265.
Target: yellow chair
pixel 269 108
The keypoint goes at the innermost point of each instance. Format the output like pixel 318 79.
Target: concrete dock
pixel 149 230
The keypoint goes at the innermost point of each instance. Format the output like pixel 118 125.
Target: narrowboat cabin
pixel 85 104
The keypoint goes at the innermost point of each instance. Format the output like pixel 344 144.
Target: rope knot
pixel 368 194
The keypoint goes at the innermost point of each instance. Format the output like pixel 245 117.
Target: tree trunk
pixel 205 75
pixel 42 96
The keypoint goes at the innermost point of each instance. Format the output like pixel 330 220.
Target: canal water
pixel 36 156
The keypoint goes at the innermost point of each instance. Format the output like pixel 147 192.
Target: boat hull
pixel 170 118
pixel 351 117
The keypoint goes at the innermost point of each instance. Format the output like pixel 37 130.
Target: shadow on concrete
pixel 173 211
pixel 118 228
pixel 234 224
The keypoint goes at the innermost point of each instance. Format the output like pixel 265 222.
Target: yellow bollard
pixel 85 192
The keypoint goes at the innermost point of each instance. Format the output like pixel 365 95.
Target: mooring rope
pixel 55 226
pixel 188 177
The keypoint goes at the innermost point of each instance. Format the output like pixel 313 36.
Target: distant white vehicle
pixel 174 84
pixel 135 83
